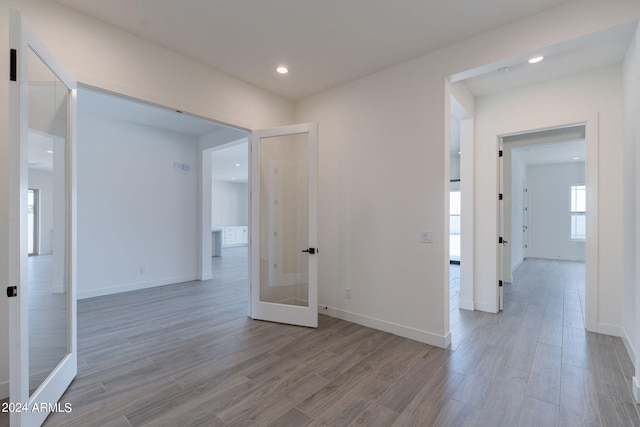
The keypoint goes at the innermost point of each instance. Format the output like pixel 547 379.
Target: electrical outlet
pixel 143 269
pixel 347 293
pixel 427 236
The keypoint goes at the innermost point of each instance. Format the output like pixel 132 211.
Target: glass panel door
pixel 284 254
pixel 43 358
pixel 48 273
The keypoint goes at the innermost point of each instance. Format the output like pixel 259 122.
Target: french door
pixel 284 253
pixel 42 294
pixel 501 227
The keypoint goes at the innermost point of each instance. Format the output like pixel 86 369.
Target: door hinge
pixel 500 196
pixel 12 291
pixel 13 67
pixel 500 240
pixel 500 153
pixel 500 283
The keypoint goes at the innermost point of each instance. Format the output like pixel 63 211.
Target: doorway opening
pixel 543 205
pixel 153 230
pixel 230 203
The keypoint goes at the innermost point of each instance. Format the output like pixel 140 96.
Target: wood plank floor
pixel 187 355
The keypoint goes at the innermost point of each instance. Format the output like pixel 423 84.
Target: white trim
pixel 629 347
pixel 560 258
pixel 386 326
pixel 466 305
pixel 607 329
pixel 24 40
pixel 137 286
pixel 592 244
pixel 590 121
pixel 489 307
pixel 635 389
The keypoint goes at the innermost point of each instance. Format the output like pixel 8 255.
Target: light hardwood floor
pixel 187 355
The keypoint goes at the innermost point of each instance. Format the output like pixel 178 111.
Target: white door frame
pixel 591 174
pixel 23 39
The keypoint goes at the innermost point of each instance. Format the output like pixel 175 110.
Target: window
pixel 578 212
pixel 454 226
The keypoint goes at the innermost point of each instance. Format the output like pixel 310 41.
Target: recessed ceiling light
pixel 576 158
pixel 237 164
pixel 50 151
pixel 282 70
pixel 536 59
pixel 232 178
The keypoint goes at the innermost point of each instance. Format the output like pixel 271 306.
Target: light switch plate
pixel 427 236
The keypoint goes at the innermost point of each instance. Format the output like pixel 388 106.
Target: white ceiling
pixel 552 153
pixel 117 107
pixel 324 43
pixel 40 151
pixel 551 146
pixel 593 51
pixel 231 163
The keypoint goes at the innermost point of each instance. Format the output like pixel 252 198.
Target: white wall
pixel 394 126
pixel 549 211
pixel 95 52
pixel 461 97
pixel 43 180
pixel 229 203
pixel 518 182
pixel 631 206
pixel 137 214
pixel 566 100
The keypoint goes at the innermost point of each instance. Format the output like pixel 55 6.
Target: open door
pixel 284 253
pixel 502 243
pixel 42 294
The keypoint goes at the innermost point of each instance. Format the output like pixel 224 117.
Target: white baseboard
pixel 635 389
pixel 135 286
pixel 629 347
pixel 207 276
pixel 556 258
pixel 604 328
pixel 486 307
pixel 466 305
pixel 4 389
pixel 383 325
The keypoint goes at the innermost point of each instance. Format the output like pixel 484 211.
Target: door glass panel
pixel 284 220
pixel 48 272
